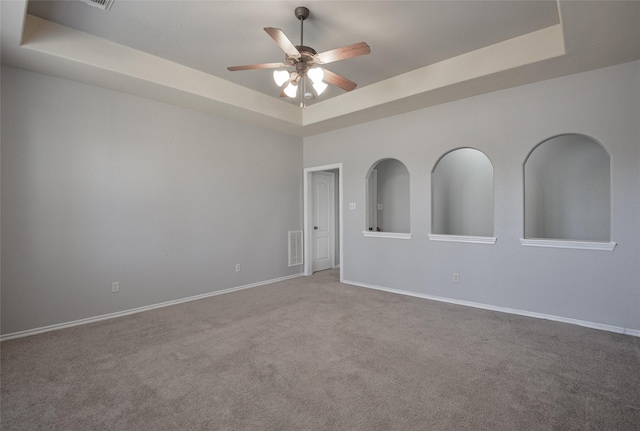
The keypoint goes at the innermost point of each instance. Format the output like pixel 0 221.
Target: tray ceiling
pixel 423 52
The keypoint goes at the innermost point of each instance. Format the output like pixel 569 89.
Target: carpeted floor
pixel 312 354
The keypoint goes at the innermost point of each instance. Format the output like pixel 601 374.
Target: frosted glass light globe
pixel 319 87
pixel 280 77
pixel 291 90
pixel 316 74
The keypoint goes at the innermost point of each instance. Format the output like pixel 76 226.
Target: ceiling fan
pixel 306 61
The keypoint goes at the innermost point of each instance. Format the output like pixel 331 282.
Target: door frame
pixel 308 202
pixel 329 178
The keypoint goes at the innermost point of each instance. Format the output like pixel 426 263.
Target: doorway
pixel 323 218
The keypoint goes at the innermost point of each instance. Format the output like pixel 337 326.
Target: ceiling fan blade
pixel 338 81
pixel 355 50
pixel 258 66
pixel 283 42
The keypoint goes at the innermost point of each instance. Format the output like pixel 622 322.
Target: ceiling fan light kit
pixel 306 62
pixel 319 87
pixel 291 90
pixel 316 74
pixel 280 77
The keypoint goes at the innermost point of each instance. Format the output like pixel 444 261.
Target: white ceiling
pixel 423 52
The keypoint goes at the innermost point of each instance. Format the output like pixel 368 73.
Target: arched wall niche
pixel 462 196
pixel 567 191
pixel 388 199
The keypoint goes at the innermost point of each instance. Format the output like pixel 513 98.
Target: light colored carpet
pixel 313 354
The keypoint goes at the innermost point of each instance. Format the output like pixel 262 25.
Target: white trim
pixel 562 243
pixel 587 324
pixel 306 181
pixel 323 176
pixel 392 235
pixel 463 238
pixel 117 314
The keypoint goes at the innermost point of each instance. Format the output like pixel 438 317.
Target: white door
pixel 323 218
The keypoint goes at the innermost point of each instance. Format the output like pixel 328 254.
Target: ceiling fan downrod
pixel 301 13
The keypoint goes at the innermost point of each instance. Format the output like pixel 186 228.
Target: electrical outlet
pixel 115 287
pixel 237 267
pixel 352 205
pixel 456 277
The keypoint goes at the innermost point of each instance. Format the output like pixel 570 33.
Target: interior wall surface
pixel 101 187
pixel 594 286
pixel 567 185
pixel 462 194
pixel 393 196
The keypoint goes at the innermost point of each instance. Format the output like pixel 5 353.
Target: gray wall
pixel 595 286
pixel 393 195
pixel 567 190
pixel 100 186
pixel 462 194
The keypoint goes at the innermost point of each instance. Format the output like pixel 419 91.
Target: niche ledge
pixel 463 238
pixel 561 243
pixel 392 235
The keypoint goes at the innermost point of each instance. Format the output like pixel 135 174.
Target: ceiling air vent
pixel 102 4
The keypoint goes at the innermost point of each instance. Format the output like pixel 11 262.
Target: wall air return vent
pixel 295 248
pixel 102 4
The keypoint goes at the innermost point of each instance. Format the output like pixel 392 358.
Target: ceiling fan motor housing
pixel 306 59
pixel 301 13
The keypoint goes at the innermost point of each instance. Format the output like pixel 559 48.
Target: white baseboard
pixel 57 326
pixel 587 324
